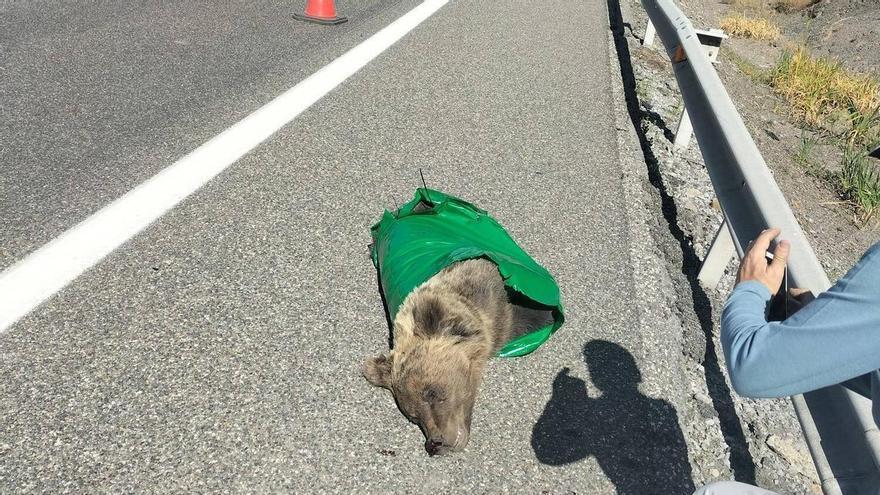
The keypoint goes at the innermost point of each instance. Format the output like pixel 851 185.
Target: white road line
pixel 44 272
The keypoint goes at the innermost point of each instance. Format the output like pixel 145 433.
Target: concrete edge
pixel 659 325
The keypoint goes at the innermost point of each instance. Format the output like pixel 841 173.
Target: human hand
pixel 754 264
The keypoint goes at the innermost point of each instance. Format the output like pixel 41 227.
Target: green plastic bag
pixel 434 230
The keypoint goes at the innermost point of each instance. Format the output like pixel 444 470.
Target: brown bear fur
pixel 444 334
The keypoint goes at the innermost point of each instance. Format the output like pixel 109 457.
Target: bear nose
pixel 434 447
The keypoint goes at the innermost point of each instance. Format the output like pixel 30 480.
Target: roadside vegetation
pixel 838 106
pixel 822 92
pixel 804 155
pixel 758 28
pixel 845 107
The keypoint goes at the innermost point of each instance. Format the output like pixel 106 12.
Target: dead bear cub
pixel 444 334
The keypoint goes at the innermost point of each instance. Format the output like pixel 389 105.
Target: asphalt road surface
pixel 219 351
pixel 96 97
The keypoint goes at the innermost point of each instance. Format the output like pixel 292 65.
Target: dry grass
pixel 826 96
pixel 789 6
pixel 820 89
pixel 748 27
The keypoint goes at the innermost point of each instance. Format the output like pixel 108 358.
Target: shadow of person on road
pixel 636 439
pixel 741 461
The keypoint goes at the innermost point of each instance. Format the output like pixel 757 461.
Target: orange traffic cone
pixel 320 11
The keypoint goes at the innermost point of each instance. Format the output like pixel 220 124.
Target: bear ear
pixel 428 317
pixel 433 319
pixel 377 370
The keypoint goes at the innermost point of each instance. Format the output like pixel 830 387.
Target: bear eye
pixel 433 395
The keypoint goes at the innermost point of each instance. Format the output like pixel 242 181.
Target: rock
pixel 794 452
pixel 703 398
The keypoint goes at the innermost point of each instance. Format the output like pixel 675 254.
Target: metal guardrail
pixel 837 423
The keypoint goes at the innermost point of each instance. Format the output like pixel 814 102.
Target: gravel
pixel 757 441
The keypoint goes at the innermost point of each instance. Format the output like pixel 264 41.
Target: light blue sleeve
pixel 834 338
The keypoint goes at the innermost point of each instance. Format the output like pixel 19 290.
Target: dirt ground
pixel 847 30
pixel 761 440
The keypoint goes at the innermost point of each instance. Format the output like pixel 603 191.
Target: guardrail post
pixel 838 424
pixel 648 40
pixel 684 131
pixel 711 41
pixel 720 253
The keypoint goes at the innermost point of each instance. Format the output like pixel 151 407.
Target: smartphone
pixel 778 309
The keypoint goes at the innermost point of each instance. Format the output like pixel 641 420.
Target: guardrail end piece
pixel 711 41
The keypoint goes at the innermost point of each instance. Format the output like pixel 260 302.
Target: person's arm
pixel 834 338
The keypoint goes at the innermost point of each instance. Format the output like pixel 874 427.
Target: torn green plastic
pixel 434 230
